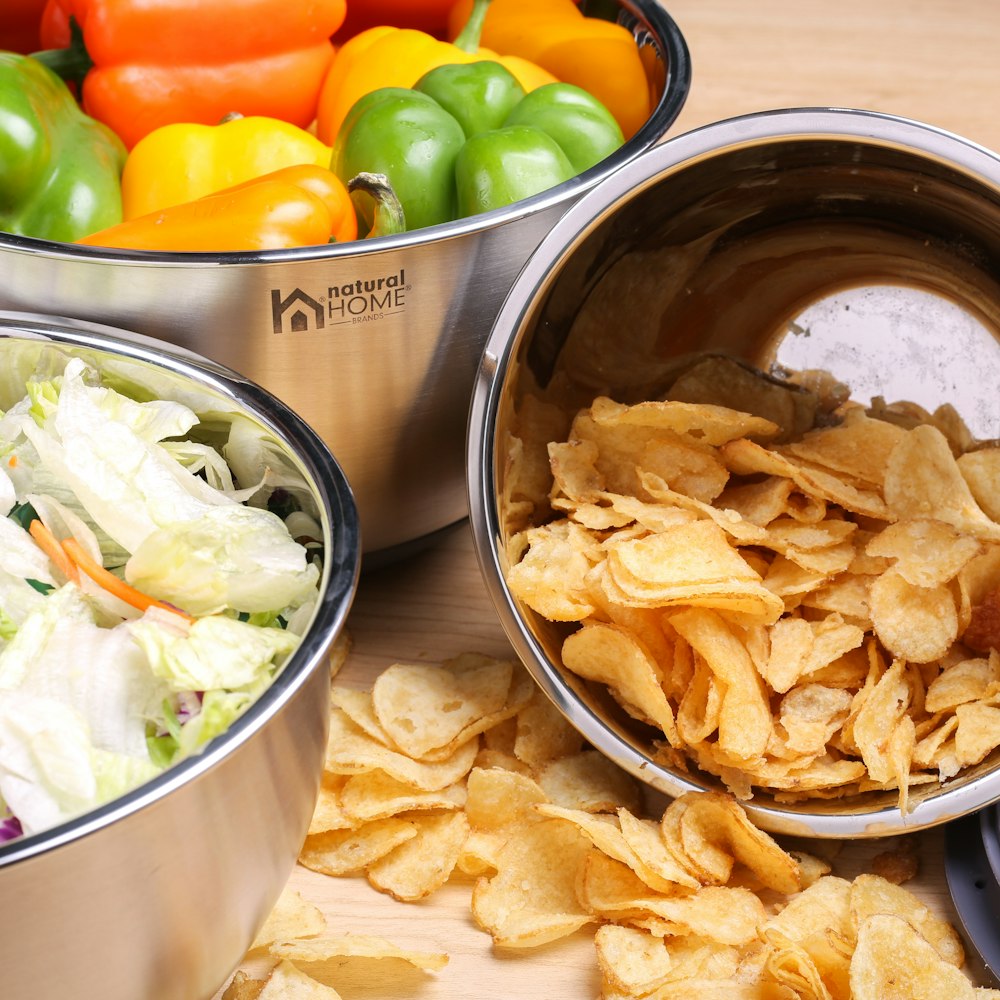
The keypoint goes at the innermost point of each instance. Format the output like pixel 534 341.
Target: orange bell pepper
pixel 154 62
pixel 302 205
pixel 397 57
pixel 183 161
pixel 600 56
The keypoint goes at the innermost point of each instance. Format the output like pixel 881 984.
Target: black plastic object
pixel 972 866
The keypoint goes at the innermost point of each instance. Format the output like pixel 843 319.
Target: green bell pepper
pixel 467 139
pixel 60 170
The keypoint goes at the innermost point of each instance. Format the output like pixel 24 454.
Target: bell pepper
pixel 600 56
pixel 59 169
pixel 397 57
pixel 155 62
pixel 467 139
pixel 20 25
pixel 183 162
pixel 424 15
pixel 302 205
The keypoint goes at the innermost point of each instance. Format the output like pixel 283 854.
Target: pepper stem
pixel 469 37
pixel 389 215
pixel 72 63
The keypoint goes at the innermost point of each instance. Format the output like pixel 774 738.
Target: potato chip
pixel 286 982
pixel 551 577
pixel 347 852
pixel 542 732
pixel 791 965
pixel 892 959
pixel 872 895
pixel 350 750
pixel 328 813
pixel 799 647
pixel 701 704
pixel 322 949
pixel 918 624
pixel 632 961
pixel 421 865
pixel 693 564
pixel 818 920
pixel 968 680
pixel 745 724
pixel 745 457
pixel 377 795
pixel 978 732
pixel 589 781
pixel 424 707
pixel 703 422
pixel 532 900
pixel 809 715
pixel 926 553
pixel 923 479
pixel 290 917
pixel 657 870
pixel 644 840
pixel 760 501
pixel 859 447
pixel 716 832
pixel 613 656
pixel 981 471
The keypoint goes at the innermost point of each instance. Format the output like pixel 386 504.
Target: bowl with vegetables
pixel 338 224
pixel 180 553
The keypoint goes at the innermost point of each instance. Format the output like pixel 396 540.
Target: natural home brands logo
pixel 365 300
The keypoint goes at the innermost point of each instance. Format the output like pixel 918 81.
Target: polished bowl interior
pixel 374 343
pixel 158 894
pixel 858 243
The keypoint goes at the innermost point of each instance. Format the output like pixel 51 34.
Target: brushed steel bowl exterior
pixel 158 894
pixel 720 238
pixel 374 343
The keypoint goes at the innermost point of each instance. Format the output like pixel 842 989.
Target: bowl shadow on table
pixel 854 243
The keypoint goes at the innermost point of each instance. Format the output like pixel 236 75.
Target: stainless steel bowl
pixel 158 894
pixel 374 343
pixel 856 242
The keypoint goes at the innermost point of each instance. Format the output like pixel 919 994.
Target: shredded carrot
pixel 49 544
pixel 111 583
pixel 12 461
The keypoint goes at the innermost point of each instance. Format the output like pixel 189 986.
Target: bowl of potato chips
pixel 734 469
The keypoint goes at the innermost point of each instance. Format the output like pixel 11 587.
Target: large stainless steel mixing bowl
pixel 848 241
pixel 375 344
pixel 157 895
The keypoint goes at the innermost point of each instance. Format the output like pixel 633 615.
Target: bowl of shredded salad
pixel 178 553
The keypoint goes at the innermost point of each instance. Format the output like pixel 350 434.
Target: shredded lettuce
pixel 99 689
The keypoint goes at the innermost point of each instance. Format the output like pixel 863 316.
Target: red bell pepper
pixel 430 16
pixel 156 62
pixel 20 25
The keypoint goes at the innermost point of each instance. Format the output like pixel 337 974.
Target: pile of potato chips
pixel 801 593
pixel 464 770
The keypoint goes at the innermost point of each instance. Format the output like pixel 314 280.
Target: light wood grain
pixel 923 59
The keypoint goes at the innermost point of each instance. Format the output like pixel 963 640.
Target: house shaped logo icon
pixel 293 312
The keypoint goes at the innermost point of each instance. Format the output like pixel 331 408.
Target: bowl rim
pixel 509 329
pixel 653 19
pixel 338 582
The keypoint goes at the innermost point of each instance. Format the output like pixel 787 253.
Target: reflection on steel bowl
pixel 374 343
pixel 730 249
pixel 159 891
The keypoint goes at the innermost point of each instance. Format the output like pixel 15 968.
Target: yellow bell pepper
pixel 398 57
pixel 179 163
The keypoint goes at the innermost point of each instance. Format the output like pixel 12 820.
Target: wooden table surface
pixel 924 59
